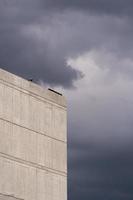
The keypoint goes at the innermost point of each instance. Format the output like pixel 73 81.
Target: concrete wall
pixel 33 141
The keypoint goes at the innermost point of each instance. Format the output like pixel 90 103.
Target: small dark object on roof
pixel 30 79
pixel 55 91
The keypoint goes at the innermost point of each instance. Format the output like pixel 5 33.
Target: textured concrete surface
pixel 33 141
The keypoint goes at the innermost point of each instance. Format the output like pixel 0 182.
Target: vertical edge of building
pixel 33 141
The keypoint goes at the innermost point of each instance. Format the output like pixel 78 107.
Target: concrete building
pixel 33 141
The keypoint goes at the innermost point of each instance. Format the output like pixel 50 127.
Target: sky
pixel 83 48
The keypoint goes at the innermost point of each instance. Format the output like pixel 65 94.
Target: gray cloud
pixel 54 37
pixel 27 55
pixel 101 174
pixel 100 138
pixel 119 7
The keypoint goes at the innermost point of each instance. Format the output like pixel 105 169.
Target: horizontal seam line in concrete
pixel 2 119
pixel 28 163
pixel 11 85
pixel 12 196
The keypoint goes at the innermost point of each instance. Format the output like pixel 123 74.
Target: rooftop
pixel 29 86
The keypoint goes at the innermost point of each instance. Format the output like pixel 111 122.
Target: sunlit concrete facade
pixel 33 141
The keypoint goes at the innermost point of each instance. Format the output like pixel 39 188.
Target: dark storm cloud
pixel 101 141
pixel 99 169
pixel 101 174
pixel 119 7
pixel 26 56
pixel 34 57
